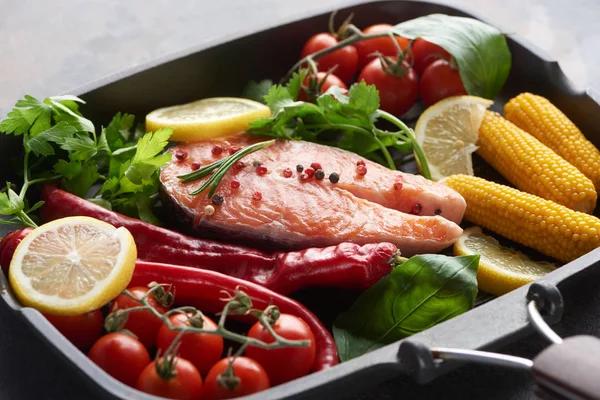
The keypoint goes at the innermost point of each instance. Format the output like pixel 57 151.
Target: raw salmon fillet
pixel 296 213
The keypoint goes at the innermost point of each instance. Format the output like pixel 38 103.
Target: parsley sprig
pixel 349 121
pixel 59 144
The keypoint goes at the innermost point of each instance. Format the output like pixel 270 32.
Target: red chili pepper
pixel 346 265
pixel 9 244
pixel 202 289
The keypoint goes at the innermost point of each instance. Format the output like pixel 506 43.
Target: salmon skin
pixel 298 213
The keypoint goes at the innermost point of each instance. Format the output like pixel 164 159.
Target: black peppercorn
pixel 217 199
pixel 319 174
pixel 334 178
pixel 299 168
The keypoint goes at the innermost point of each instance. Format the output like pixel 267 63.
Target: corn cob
pixel 537 116
pixel 531 166
pixel 543 225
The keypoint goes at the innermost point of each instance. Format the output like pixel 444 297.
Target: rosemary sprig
pixel 220 168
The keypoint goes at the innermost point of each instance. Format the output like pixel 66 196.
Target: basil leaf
pixel 480 50
pixel 420 293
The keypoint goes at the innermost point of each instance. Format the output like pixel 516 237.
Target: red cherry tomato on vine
pixel 439 81
pixel 325 83
pixel 186 384
pixel 252 379
pixel 287 363
pixel 425 53
pixel 81 330
pixel 122 356
pixel 203 350
pixel 345 58
pixel 397 94
pixel 383 45
pixel 142 324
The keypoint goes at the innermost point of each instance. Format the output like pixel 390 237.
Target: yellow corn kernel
pixel 531 166
pixel 537 116
pixel 532 221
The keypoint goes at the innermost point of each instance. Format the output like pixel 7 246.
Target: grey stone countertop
pixel 51 47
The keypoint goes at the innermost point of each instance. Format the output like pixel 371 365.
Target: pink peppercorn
pixel 360 162
pixel 397 185
pixel 316 166
pixel 309 172
pixel 261 170
pixel 416 209
pixel 235 184
pixel 257 196
pixel 216 150
pixel 361 170
pixel 181 154
pixel 303 176
pixel 233 149
pixel 287 173
pixel 239 165
pixel 195 166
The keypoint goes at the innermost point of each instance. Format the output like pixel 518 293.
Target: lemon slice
pixel 72 265
pixel 207 118
pixel 501 269
pixel 448 132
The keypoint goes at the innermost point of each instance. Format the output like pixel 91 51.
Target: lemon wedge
pixel 448 132
pixel 72 265
pixel 207 118
pixel 501 269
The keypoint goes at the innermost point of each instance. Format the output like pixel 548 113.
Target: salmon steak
pixel 267 200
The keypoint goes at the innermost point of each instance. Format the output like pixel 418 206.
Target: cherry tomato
pixel 185 385
pixel 81 330
pixel 287 363
pixel 122 356
pixel 345 58
pixel 424 53
pixel 331 80
pixel 143 324
pixel 252 376
pixel 383 45
pixel 203 350
pixel 397 94
pixel 439 81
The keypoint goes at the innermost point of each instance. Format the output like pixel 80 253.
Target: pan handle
pixel 418 358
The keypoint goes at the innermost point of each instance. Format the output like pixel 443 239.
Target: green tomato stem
pixel 419 154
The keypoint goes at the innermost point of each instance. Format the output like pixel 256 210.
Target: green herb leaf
pixel 420 293
pixel 68 169
pixel 66 114
pixel 80 147
pixel 257 90
pixel 28 114
pixel 10 202
pixel 295 83
pixel 118 130
pixel 40 144
pixel 480 50
pixel 81 183
pixel 150 145
pixel 101 202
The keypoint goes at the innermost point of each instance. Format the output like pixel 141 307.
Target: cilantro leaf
pixel 295 83
pixel 28 114
pixel 10 202
pixel 118 130
pixel 257 90
pixel 150 145
pixel 67 169
pixel 81 183
pixel 80 147
pixel 363 97
pixel 66 114
pixel 40 143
